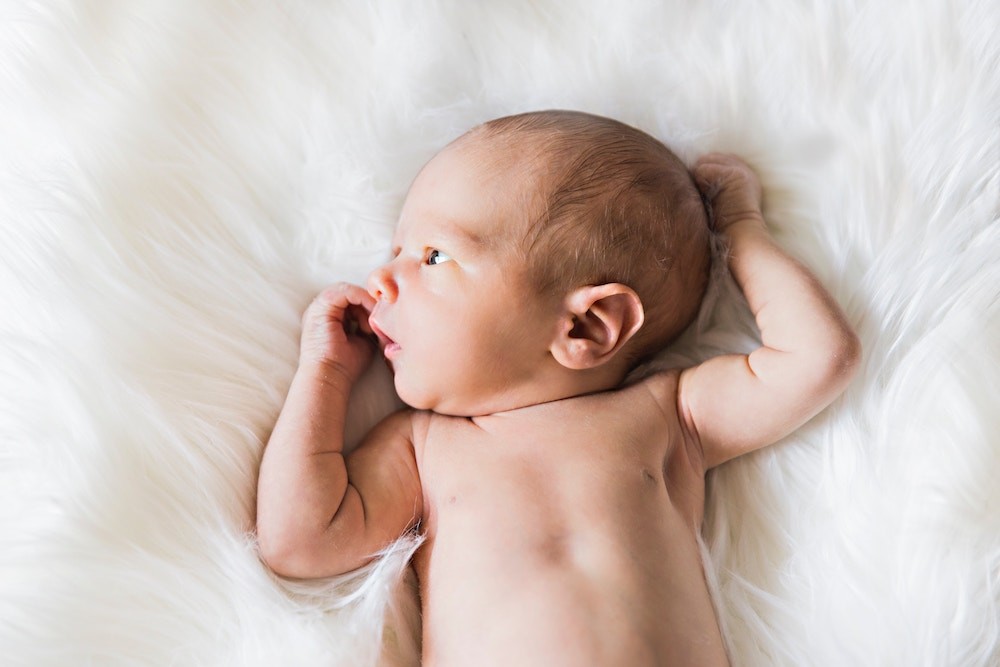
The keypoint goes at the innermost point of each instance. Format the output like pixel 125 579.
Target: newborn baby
pixel 538 259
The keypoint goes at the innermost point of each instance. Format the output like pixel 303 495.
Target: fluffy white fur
pixel 178 178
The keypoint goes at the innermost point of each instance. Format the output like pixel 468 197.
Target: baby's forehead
pixel 520 173
pixel 474 192
pixel 519 155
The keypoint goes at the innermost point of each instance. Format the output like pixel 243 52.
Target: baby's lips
pixel 390 348
pixel 383 339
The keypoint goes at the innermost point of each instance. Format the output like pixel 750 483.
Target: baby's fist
pixel 335 330
pixel 731 188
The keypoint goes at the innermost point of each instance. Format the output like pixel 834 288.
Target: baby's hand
pixel 732 189
pixel 335 330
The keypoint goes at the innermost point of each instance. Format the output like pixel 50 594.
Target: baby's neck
pixel 547 388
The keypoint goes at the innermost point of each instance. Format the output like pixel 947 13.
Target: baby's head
pixel 588 236
pixel 608 204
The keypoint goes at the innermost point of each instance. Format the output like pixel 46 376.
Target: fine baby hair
pixel 611 204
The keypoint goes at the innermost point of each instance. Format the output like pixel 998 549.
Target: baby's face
pixel 460 326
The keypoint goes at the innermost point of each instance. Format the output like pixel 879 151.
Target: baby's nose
pixel 382 285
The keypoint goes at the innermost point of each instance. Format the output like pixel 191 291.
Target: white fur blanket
pixel 178 178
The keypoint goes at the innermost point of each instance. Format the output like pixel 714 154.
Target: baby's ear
pixel 597 322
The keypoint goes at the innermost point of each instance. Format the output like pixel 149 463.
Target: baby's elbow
pixel 840 361
pixel 285 557
pixel 847 359
pixel 275 552
pixel 303 557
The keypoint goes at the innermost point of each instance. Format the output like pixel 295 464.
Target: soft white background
pixel 178 178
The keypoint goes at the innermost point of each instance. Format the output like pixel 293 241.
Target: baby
pixel 538 259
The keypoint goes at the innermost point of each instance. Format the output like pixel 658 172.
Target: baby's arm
pixel 317 513
pixel 736 403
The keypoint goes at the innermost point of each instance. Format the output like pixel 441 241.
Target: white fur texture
pixel 178 178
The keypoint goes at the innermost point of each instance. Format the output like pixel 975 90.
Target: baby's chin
pixel 451 404
pixel 418 398
pixel 421 401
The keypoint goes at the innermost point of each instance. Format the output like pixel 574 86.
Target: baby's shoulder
pixel 403 433
pixel 660 385
pixel 651 398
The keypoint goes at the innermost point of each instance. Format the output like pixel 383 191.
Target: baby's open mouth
pixel 389 347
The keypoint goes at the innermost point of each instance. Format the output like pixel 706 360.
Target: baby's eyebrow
pixel 451 231
pixel 462 234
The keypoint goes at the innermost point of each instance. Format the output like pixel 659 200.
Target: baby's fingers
pixel 718 173
pixel 335 300
pixel 335 328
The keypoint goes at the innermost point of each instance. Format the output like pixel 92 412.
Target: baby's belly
pixel 530 580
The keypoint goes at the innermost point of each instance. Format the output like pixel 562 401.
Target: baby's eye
pixel 437 257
